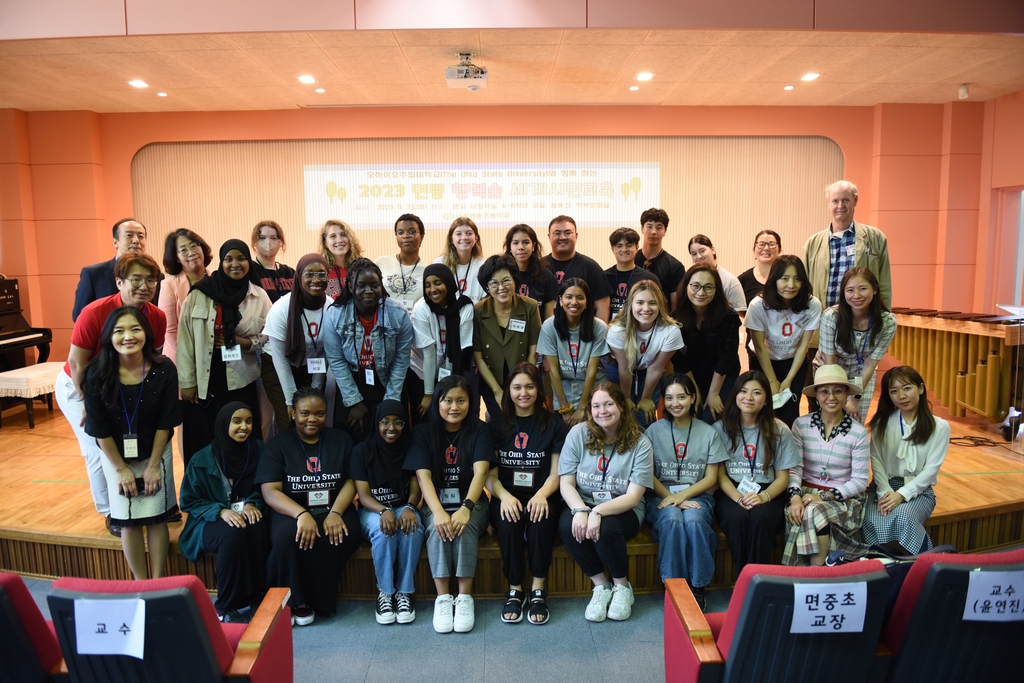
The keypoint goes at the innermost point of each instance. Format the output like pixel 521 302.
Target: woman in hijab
pixel 225 513
pixel 293 326
pixel 220 330
pixel 388 500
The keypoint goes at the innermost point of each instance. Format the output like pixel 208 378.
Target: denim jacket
pixel 392 347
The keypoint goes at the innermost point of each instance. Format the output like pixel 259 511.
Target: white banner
pixel 493 195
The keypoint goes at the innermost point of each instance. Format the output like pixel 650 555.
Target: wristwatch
pixel 468 504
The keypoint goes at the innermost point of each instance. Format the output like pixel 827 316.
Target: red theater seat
pixel 29 652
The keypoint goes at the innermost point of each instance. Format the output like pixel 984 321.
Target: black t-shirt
pixel 582 267
pixel 526 449
pixel 667 268
pixel 751 287
pixel 542 288
pixel 276 283
pixel 393 494
pixel 452 460
pixel 620 282
pixel 304 468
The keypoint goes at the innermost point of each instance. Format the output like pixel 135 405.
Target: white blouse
pixel 893 455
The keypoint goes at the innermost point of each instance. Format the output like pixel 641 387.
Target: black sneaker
pixel 701 597
pixel 406 610
pixel 233 616
pixel 385 608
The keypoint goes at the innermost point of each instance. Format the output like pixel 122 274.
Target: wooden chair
pixel 184 641
pixel 752 642
pixel 29 652
pixel 928 636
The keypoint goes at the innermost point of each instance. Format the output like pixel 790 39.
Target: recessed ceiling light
pixel 320 90
pixel 307 79
pixel 644 76
pixel 788 87
pixel 138 84
pixel 809 77
pixel 161 94
pixel 634 87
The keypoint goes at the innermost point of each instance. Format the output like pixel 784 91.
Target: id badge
pixel 450 496
pixel 369 377
pixel 316 366
pixel 131 446
pixel 516 325
pixel 443 372
pixel 602 496
pixel 238 506
pixel 318 498
pixel 524 479
pixel 676 488
pixel 407 305
pixel 748 485
pixel 234 353
pixel 576 388
pixel 851 249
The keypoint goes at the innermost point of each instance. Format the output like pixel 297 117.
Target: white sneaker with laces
pixel 444 613
pixel 597 610
pixel 465 614
pixel 622 602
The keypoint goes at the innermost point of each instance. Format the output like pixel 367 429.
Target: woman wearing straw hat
pixel 826 492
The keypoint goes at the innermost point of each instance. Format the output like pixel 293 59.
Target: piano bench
pixel 29 383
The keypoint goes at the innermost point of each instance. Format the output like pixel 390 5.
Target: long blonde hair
pixel 625 318
pixel 355 250
pixel 449 256
pixel 629 430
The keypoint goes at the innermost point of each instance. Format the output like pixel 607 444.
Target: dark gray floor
pixel 352 647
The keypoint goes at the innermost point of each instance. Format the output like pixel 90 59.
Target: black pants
pixel 312 575
pixel 514 538
pixel 751 534
pixel 197 418
pixel 372 395
pixel 412 395
pixel 241 561
pixel 608 552
pixel 791 411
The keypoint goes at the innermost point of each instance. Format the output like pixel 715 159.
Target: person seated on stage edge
pixel 525 484
pixel 908 445
pixel 463 255
pixel 219 333
pixel 680 507
pixel 186 256
pixel 225 513
pixel 368 342
pixel 132 410
pixel 389 497
pixel 750 504
pixel 295 329
pixel 572 343
pixel 314 529
pixel 605 467
pixel 780 323
pixel 506 328
pixel 642 339
pixel 826 489
pixel 535 281
pixel 451 455
pixel 442 323
pixel 136 277
pixel 340 248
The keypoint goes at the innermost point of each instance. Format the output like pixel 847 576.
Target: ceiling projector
pixel 466 74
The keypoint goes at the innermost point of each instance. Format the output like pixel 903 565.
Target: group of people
pixel 341 400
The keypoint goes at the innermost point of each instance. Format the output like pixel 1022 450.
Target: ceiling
pixel 258 71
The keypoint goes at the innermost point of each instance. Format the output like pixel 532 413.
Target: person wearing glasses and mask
pixel 275 278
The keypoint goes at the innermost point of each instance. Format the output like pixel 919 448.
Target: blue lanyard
pixel 686 444
pixel 319 326
pixel 574 360
pixel 401 272
pixel 864 346
pixel 224 467
pixel 757 447
pixel 124 404
pixel 607 467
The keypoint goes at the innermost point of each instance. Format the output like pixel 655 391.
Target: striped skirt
pixel 905 524
pixel 843 518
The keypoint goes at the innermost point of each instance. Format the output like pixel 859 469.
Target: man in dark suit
pixel 97 280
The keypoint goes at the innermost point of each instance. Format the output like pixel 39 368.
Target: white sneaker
pixel 465 614
pixel 443 613
pixel 597 610
pixel 622 602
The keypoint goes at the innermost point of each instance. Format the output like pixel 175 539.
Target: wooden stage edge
pixel 48 528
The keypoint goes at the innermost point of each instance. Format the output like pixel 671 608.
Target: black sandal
pixel 539 606
pixel 513 605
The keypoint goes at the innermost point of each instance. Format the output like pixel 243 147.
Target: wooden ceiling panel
pixel 354 38
pixel 288 65
pixel 591 63
pixel 226 68
pixel 1006 70
pixel 37 47
pixel 519 63
pixel 575 92
pixel 337 93
pixel 455 39
pixel 272 41
pixel 940 64
pixel 514 93
pixel 799 61
pixel 428 62
pixel 842 40
pixel 604 37
pixel 766 38
pixel 668 63
pixel 651 92
pixel 373 65
pixel 492 37
pixel 159 69
pixel 440 93
pixel 735 63
pixel 189 42
pixel 657 37
pixel 875 63
pixel 697 94
pixel 391 93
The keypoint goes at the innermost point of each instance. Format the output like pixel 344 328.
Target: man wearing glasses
pixel 97 280
pixel 667 268
pixel 565 262
pixel 135 276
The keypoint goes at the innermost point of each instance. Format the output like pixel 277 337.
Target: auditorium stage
pixel 48 526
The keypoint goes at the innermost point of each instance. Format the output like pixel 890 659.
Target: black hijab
pixel 232 456
pixel 384 460
pixel 300 300
pixel 226 292
pixel 451 312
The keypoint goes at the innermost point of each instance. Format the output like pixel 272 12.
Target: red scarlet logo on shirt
pixel 314 329
pixel 521 440
pixel 643 347
pixel 524 290
pixel 750 451
pixel 444 337
pixel 574 351
pixel 602 464
pixel 313 464
pixel 621 291
pixel 680 451
pixel 451 455
pixel 559 274
pixel 787 329
pixel 462 285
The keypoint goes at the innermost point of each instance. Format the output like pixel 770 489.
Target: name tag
pixel 524 479
pixel 369 377
pixel 676 488
pixel 318 498
pixel 516 325
pixel 131 446
pixel 450 496
pixel 238 506
pixel 234 353
pixel 748 485
pixel 575 391
pixel 602 496
pixel 316 366
pixel 850 249
pixel 407 305
pixel 443 372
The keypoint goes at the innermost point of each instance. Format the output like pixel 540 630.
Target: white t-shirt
pixel 659 338
pixel 467 280
pixel 276 327
pixel 733 290
pixel 573 374
pixel 404 284
pixel 427 331
pixel 782 329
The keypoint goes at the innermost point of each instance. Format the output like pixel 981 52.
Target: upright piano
pixel 16 334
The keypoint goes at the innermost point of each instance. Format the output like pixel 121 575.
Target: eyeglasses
pixel 388 424
pixel 189 248
pixel 834 392
pixel 504 284
pixel 139 283
pixel 696 288
pixel 315 276
pixel 272 240
pixel 558 234
pixel 766 245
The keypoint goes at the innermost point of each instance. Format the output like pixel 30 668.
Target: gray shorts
pixel 461 553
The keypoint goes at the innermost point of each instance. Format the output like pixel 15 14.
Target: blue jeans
pixel 686 542
pixel 639 382
pixel 401 552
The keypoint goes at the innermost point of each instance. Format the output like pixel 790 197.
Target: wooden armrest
pixel 694 623
pixel 261 624
pixel 59 672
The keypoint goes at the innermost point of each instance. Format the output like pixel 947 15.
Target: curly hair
pixel 629 430
pixel 360 265
pixel 355 250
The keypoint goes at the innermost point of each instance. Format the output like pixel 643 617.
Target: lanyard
pixel 901 424
pixel 319 326
pixel 628 280
pixel 686 444
pixel 401 272
pixel 574 359
pixel 309 461
pixel 566 271
pixel 607 466
pixel 124 405
pixel 465 283
pixel 864 346
pixel 245 467
pixel 757 447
